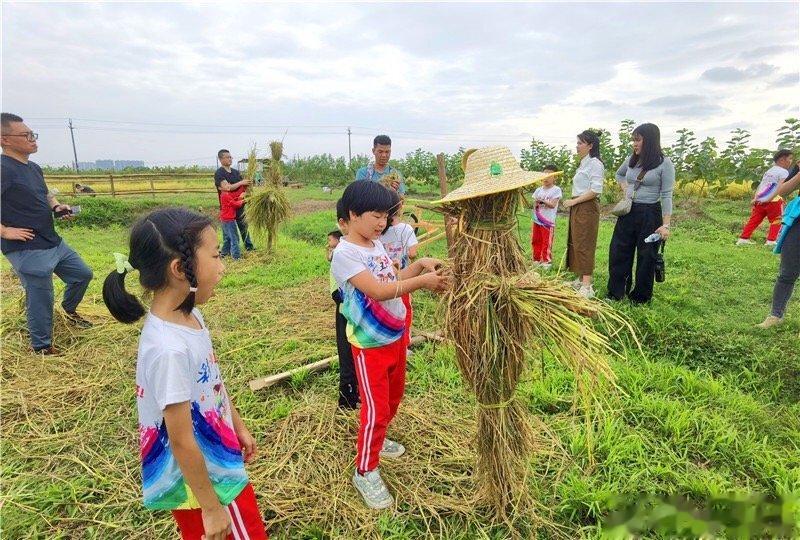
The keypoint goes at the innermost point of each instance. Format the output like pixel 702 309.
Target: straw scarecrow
pixel 268 207
pixel 498 315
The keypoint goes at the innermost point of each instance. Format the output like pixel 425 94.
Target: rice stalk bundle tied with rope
pixel 268 207
pixel 498 314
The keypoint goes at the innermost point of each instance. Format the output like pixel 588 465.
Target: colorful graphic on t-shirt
pixel 540 219
pixel 370 323
pixel 766 194
pixel 164 486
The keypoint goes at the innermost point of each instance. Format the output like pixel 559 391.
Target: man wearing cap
pixel 29 239
pixel 377 170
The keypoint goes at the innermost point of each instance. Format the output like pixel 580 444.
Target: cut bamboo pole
pixel 271 380
pixel 434 238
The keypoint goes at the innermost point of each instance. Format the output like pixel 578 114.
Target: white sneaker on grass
pixel 769 322
pixel 373 490
pixel 546 266
pixel 743 241
pixel 587 291
pixel 770 243
pixel 392 449
pixel 575 283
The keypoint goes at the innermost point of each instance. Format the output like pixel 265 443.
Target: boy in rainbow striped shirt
pixel 371 291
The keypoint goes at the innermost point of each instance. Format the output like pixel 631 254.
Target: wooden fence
pixel 115 182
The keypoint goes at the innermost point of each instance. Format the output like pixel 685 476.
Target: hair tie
pixel 192 289
pixel 122 264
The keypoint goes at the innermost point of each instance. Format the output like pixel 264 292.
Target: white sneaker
pixel 586 291
pixel 374 492
pixel 392 449
pixel 575 284
pixel 770 243
pixel 743 241
pixel 769 322
pixel 409 352
pixel 546 266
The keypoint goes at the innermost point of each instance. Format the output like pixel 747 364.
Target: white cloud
pixel 433 75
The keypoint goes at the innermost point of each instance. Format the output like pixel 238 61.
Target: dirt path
pixel 311 205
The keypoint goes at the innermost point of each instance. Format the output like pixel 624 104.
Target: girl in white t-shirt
pixel 543 228
pixel 193 442
pixel 400 244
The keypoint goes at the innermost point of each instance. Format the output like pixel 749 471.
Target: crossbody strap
pixel 638 183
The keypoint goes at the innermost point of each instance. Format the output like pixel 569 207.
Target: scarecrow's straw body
pixel 497 315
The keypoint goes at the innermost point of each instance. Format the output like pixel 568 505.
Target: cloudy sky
pixel 171 83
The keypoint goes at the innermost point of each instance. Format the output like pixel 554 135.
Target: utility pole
pixel 72 136
pixel 349 148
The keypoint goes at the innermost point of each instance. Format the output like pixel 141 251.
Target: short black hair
pixel 782 153
pixel 336 234
pixel 365 196
pixel 223 151
pixel 340 213
pixel 383 140
pixel 6 118
pixel 550 167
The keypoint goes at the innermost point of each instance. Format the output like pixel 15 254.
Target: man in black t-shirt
pixel 228 179
pixel 29 240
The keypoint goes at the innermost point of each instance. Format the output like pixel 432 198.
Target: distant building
pixel 125 163
pixel 104 164
pixel 86 165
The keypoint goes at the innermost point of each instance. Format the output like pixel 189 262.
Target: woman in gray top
pixel 648 178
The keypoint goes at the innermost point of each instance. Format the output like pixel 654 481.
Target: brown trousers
pixel 584 223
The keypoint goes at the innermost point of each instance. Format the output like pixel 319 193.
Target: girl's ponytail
pixel 124 306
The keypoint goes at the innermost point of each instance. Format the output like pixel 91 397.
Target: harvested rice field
pixel 709 407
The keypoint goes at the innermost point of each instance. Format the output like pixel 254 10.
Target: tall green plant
pixel 789 135
pixel 684 147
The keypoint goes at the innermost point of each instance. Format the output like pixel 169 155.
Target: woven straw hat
pixel 491 170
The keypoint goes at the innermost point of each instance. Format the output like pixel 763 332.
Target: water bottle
pixel 655 237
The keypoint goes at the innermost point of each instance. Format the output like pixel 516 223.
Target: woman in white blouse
pixel 584 212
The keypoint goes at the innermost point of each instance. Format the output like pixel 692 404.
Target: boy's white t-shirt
pixel 397 240
pixel 768 187
pixel 177 364
pixel 543 215
pixel 370 323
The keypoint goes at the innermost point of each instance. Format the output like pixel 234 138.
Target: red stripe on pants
pixel 381 373
pixel 772 211
pixel 542 243
pixel 246 521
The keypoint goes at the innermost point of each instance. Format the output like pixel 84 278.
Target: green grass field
pixel 711 406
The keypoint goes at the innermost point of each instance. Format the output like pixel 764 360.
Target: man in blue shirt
pixel 374 172
pixel 29 239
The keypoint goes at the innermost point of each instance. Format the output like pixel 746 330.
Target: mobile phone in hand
pixel 71 211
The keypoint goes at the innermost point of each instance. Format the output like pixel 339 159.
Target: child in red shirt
pixel 229 202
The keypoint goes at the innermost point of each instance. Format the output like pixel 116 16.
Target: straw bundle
pixel 389 178
pixel 268 207
pixel 252 164
pixel 497 315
